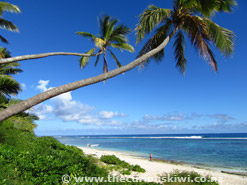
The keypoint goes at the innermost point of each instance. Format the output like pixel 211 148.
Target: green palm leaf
pixel 160 35
pixel 8 86
pixel 115 58
pixel 97 60
pixel 9 7
pixel 120 30
pixel 179 46
pixel 149 19
pixel 8 25
pixel 124 46
pixel 104 23
pixel 198 32
pixel 84 60
pixel 222 37
pixel 110 29
pixel 87 35
pixel 3 39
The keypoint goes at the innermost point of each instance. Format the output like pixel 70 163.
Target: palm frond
pixel 9 7
pixel 96 62
pixel 10 69
pixel 124 46
pixel 160 35
pixel 8 86
pixel 3 39
pixel 197 30
pixel 222 37
pixel 186 4
pixel 6 54
pixel 210 7
pixel 115 58
pixel 226 5
pixel 120 39
pixel 103 23
pixel 206 8
pixel 120 30
pixel 87 35
pixel 110 29
pixel 8 25
pixel 149 19
pixel 84 60
pixel 179 46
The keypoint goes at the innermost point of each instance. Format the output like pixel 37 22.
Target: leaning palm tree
pixel 222 38
pixel 5 23
pixel 191 18
pixel 111 35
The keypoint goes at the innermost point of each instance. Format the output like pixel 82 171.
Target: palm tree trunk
pixel 42 55
pixel 27 104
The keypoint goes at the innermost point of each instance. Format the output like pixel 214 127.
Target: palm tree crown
pixel 5 23
pixel 190 17
pixel 111 35
pixel 8 85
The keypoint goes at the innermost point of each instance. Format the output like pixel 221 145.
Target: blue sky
pixel 154 100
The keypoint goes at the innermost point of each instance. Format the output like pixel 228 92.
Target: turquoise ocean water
pixel 224 151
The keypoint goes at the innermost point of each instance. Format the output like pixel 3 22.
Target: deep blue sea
pixel 228 151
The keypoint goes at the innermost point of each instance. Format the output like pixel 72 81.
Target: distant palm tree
pixel 110 36
pixel 190 17
pixel 8 85
pixel 5 23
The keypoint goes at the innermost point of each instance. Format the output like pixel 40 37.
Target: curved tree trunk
pixel 15 109
pixel 42 55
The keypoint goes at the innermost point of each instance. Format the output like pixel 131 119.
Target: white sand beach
pixel 156 168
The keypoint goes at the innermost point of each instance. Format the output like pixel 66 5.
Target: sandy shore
pixel 154 168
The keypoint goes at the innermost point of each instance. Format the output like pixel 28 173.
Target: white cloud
pixel 67 109
pixel 42 110
pixel 42 85
pixel 110 114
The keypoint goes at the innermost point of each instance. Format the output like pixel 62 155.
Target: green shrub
pixel 28 159
pixel 112 159
pixel 126 172
pixel 137 168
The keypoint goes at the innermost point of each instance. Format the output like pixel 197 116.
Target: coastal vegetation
pixel 27 159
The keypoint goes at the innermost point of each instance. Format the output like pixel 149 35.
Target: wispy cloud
pixel 224 127
pixel 168 117
pixel 110 114
pixel 221 117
